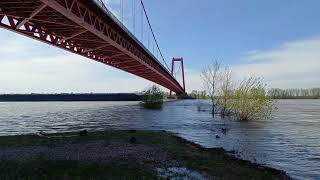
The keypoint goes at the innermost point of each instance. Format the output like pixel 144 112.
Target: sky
pixel 276 40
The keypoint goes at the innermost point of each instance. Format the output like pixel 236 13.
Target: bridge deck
pixel 85 28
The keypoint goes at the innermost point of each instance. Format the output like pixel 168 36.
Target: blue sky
pixel 278 40
pixel 209 29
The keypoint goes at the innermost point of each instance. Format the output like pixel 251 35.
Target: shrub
pixel 153 98
pixel 250 100
pixel 225 92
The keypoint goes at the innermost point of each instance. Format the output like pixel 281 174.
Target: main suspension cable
pixel 149 24
pixel 154 37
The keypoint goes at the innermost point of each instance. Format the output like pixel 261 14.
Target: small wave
pixel 314 159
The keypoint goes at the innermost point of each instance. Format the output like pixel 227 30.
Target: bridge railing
pixel 146 40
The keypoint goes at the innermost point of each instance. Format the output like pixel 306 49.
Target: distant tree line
pixel 198 94
pixel 294 93
pixel 275 93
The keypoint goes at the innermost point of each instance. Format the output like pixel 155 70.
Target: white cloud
pixel 64 73
pixel 294 64
pixel 13 47
pixel 193 81
pixel 28 66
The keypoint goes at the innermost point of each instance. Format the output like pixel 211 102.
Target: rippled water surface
pixel 290 141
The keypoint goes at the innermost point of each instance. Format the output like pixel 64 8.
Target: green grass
pixel 213 163
pixel 145 137
pixel 43 169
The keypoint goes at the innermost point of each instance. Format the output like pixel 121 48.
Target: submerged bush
pixel 153 98
pixel 250 101
pixel 247 101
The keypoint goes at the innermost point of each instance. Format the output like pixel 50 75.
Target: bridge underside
pixel 84 28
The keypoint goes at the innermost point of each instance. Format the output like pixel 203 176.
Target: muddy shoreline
pixel 229 156
pixel 149 152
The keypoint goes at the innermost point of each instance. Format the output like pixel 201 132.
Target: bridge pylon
pixel 174 60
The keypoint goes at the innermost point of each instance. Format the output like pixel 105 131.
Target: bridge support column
pixel 174 60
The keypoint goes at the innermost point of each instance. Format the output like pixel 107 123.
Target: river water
pixel 290 141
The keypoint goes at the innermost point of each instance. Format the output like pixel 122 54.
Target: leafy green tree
pixel 153 97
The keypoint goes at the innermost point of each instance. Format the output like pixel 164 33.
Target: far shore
pixel 70 97
pixel 78 97
pixel 121 155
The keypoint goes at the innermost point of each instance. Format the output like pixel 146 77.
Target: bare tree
pixel 210 76
pixel 225 91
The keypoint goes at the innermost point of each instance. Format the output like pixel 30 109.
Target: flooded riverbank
pixel 290 141
pixel 130 154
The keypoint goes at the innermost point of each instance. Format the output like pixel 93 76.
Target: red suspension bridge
pixel 88 28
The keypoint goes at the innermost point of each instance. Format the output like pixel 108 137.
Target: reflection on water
pixel 290 141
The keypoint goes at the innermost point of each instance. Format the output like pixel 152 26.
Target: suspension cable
pixel 149 24
pixel 134 16
pixel 178 70
pixel 142 26
pixel 154 37
pixel 121 10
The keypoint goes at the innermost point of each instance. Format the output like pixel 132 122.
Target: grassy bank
pixel 118 155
